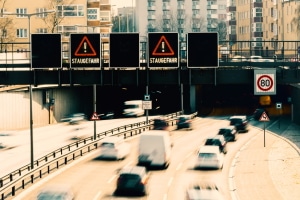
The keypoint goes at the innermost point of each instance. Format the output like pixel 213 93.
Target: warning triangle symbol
pixel 85 48
pixel 163 48
pixel 94 116
pixel 264 117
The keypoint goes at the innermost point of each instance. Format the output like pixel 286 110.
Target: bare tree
pixel 53 20
pixel 296 19
pixel 6 24
pixel 222 30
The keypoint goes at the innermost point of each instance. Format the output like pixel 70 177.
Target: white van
pixel 155 148
pixel 133 108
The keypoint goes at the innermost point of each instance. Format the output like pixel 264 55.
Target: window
pixel 105 16
pixel 41 30
pixel 21 12
pixel 41 10
pixel 70 11
pixel 22 33
pixel 92 14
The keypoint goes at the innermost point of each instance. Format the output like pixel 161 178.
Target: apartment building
pixel 180 16
pixel 267 26
pixel 20 18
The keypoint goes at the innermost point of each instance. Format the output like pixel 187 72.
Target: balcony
pixel 151 8
pixel 151 17
pixel 212 7
pixel 166 16
pixel 166 7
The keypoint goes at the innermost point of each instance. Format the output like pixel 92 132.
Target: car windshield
pixel 182 119
pixel 51 196
pixel 129 177
pixel 212 142
pixel 108 145
pixel 131 106
pixel 207 155
pixel 235 121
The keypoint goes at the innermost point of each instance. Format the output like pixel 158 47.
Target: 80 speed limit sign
pixel 264 82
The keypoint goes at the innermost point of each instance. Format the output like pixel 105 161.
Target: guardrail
pixel 22 178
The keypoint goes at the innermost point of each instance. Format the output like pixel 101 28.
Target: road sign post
pixel 264 118
pixel 265 82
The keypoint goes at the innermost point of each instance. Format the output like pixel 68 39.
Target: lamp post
pixel 30 85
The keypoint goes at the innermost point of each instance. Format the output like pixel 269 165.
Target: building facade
pixel 180 16
pixel 268 27
pixel 19 19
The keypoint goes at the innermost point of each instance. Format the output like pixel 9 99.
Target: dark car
pixel 258 112
pixel 218 140
pixel 228 132
pixel 107 115
pixel 240 123
pixel 132 180
pixel 184 121
pixel 160 124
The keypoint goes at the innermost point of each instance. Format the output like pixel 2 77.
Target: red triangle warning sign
pixel 94 116
pixel 85 48
pixel 163 48
pixel 264 117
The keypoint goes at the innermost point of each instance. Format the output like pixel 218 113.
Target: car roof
pixel 112 139
pixel 227 128
pixel 133 170
pixel 238 117
pixel 209 149
pixel 155 132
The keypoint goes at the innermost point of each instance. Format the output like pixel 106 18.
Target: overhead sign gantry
pixel 124 49
pixel 202 50
pixel 85 50
pixel 163 50
pixel 46 51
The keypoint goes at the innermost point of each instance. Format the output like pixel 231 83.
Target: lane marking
pixel 97 196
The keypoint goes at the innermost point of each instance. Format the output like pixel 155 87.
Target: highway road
pixel 91 178
pixel 47 139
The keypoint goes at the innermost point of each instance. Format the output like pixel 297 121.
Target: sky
pixel 122 3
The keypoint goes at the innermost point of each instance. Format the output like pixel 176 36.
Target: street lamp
pixel 30 86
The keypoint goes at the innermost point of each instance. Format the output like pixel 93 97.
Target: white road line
pixel 112 178
pixel 179 166
pixel 97 196
pixel 170 181
pixel 165 197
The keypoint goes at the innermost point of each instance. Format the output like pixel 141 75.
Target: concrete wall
pixel 15 106
pixel 296 105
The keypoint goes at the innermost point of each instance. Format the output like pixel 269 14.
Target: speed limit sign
pixel 265 82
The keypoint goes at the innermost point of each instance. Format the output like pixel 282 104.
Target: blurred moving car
pixel 258 112
pixel 238 58
pixel 160 124
pixel 74 118
pixel 206 191
pixel 133 108
pixel 240 122
pixel 228 132
pixel 56 192
pixel 184 121
pixel 107 115
pixel 219 141
pixel 132 180
pixel 114 148
pixel 209 157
